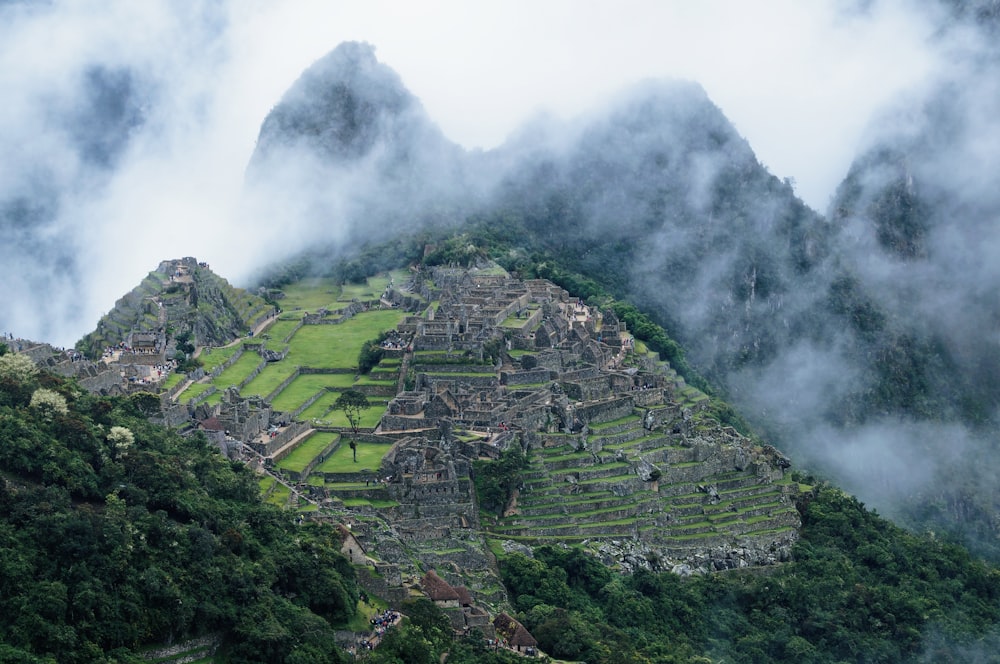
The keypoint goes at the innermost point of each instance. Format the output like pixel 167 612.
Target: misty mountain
pixel 349 150
pixel 862 341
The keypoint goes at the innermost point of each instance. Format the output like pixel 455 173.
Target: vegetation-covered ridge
pixel 181 302
pixel 118 534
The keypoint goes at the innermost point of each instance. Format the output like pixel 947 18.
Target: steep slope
pixel 180 297
pixel 835 336
pixel 349 150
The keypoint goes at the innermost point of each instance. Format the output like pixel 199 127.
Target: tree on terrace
pixel 352 403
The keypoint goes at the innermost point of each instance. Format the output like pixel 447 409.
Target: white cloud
pixel 799 80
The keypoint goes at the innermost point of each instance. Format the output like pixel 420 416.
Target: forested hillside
pixel 117 535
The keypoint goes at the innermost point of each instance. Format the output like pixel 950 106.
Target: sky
pixel 799 80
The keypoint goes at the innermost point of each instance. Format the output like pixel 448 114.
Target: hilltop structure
pixel 622 456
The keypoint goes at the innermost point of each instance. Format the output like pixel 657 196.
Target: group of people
pixel 380 623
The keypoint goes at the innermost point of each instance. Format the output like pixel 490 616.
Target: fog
pixel 126 127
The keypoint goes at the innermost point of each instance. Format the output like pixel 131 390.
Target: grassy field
pixel 193 390
pixel 306 385
pixel 310 295
pixel 280 329
pixel 269 379
pixel 337 346
pixel 318 409
pixel 306 451
pixel 341 461
pixel 212 358
pixel 371 290
pixel 369 418
pixel 237 373
pixel 173 380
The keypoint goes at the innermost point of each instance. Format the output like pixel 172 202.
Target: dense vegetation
pixel 116 534
pixel 860 590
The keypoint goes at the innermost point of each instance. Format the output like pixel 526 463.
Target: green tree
pixel 17 367
pixel 352 403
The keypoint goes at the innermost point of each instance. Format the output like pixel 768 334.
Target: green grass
pixel 306 451
pixel 513 322
pixel 318 409
pixel 213 399
pixel 370 290
pixel 607 425
pixel 338 346
pixel 173 380
pixel 268 380
pixel 280 495
pixel 212 358
pixel 305 386
pixel 192 391
pixel 280 329
pixel 369 418
pixel 341 461
pixel 237 373
pixel 365 502
pixel 310 294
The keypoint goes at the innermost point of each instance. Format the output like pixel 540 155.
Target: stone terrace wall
pixel 525 377
pixel 605 411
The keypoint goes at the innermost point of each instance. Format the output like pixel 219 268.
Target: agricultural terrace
pixel 269 379
pixel 341 461
pixel 239 371
pixel 279 329
pixel 305 386
pixel 310 295
pixel 319 408
pixel 338 346
pixel 303 454
pixel 213 358
pixel 369 418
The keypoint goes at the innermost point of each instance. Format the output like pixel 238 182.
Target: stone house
pixel 517 636
pixel 439 591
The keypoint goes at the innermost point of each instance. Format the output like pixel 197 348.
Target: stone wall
pixel 513 378
pixel 605 411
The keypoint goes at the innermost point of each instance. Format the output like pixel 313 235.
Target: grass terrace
pixel 341 461
pixel 237 373
pixel 369 418
pixel 193 391
pixel 280 329
pixel 372 289
pixel 173 380
pixel 311 294
pixel 269 379
pixel 280 495
pixel 213 358
pixel 306 385
pixel 319 408
pixel 338 346
pixel 306 451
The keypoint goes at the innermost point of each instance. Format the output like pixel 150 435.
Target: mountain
pixel 349 150
pixel 180 299
pixel 860 341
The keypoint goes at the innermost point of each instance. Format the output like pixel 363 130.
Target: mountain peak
pixel 338 107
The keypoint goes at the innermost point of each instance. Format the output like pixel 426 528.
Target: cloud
pixel 797 79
